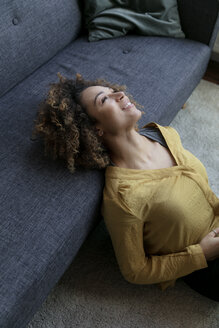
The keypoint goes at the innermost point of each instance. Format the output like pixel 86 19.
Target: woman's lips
pixel 128 106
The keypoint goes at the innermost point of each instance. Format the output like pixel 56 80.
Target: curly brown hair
pixel 67 130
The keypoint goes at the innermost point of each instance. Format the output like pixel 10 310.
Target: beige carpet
pixel 93 294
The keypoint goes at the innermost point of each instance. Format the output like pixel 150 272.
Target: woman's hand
pixel 210 245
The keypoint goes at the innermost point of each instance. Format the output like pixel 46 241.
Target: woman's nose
pixel 119 95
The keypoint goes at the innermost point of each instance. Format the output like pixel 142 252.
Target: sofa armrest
pixel 199 20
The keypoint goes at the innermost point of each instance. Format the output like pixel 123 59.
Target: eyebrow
pixel 99 93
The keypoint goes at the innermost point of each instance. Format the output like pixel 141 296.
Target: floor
pixel 212 72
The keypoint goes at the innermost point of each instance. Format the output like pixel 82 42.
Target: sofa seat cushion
pixel 160 72
pixel 46 212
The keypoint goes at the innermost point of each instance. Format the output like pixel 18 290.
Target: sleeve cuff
pixel 198 256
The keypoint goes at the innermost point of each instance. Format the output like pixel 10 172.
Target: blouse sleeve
pixel 126 232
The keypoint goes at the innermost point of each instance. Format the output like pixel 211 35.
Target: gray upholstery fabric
pixel 32 32
pixel 46 212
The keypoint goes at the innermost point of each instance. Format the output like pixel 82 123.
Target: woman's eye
pixel 104 98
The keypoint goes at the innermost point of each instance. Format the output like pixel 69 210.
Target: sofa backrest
pixel 32 32
pixel 200 20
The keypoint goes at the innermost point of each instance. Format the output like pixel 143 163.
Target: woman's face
pixel 112 110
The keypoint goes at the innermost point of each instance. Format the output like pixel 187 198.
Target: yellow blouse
pixel 156 218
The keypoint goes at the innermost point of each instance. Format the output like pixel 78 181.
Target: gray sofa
pixel 46 212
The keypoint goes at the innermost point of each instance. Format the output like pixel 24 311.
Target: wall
pixel 215 51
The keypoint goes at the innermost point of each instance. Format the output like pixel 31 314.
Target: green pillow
pixel 106 19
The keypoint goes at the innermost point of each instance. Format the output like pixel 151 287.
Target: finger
pixel 215 232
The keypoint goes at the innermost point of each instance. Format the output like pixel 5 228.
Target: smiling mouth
pixel 128 105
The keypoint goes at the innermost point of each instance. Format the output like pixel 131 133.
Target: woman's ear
pixel 99 130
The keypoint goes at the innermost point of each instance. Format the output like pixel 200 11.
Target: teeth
pixel 128 104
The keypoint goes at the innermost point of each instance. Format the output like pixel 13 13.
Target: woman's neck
pixel 129 149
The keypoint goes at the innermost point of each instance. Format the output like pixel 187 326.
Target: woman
pixel 161 214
